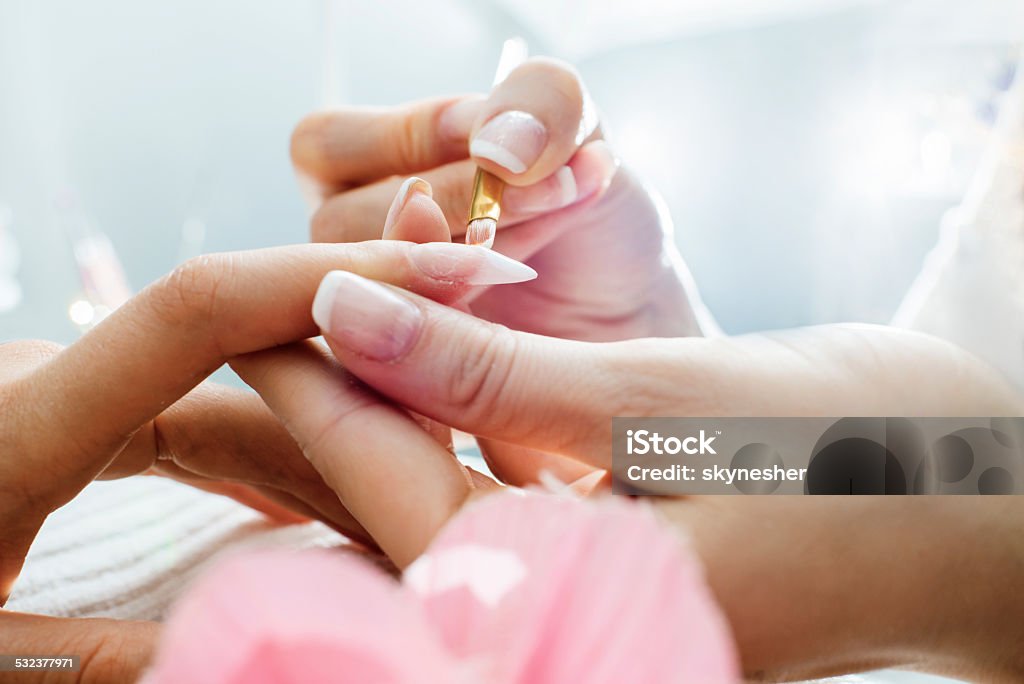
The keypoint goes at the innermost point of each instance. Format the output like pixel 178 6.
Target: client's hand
pixel 126 399
pixel 559 396
pixel 596 234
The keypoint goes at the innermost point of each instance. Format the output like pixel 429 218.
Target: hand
pixel 609 269
pixel 124 399
pixel 559 396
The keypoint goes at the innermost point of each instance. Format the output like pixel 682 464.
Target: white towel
pixel 126 549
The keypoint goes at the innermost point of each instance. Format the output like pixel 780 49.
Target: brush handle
pixel 486 202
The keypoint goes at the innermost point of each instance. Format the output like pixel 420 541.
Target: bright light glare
pixel 81 312
pixel 642 139
pixel 881 152
pixel 936 154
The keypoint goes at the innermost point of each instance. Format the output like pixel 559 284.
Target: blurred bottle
pixel 104 284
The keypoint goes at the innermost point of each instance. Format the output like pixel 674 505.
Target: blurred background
pixel 807 149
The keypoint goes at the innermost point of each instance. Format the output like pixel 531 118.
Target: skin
pixel 820 568
pixel 542 401
pixel 102 407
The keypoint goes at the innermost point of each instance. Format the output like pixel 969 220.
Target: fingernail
pixel 469 264
pixel 365 316
pixel 513 140
pixel 410 186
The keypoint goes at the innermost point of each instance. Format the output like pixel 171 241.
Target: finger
pixel 592 484
pixel 533 122
pixel 22 509
pixel 246 495
pixel 393 476
pixel 521 467
pixel 228 436
pixel 351 146
pixel 413 215
pixel 352 216
pixel 545 393
pixel 108 650
pixel 482 484
pixel 84 404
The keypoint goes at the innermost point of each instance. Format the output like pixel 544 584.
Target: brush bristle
pixel 481 232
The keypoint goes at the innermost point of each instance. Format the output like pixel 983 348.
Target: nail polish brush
pixel 485 206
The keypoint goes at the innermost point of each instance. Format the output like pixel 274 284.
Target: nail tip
pixel 503 270
pixel 420 184
pixel 323 302
pixel 484 149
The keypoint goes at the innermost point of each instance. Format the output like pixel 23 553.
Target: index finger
pixel 352 146
pixel 393 476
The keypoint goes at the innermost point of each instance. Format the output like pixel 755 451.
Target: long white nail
pixel 452 262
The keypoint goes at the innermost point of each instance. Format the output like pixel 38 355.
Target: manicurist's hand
pixel 126 399
pixel 596 234
pixel 590 227
pixel 801 602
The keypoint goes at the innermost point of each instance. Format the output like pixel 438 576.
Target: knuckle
pixel 189 295
pixel 322 445
pixel 412 142
pixel 112 653
pixel 484 369
pixel 323 227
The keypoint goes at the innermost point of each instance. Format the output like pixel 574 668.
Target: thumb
pixel 531 124
pixel 545 393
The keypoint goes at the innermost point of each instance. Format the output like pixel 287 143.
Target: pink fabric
pixel 516 589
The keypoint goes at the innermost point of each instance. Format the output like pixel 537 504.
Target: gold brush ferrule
pixel 486 202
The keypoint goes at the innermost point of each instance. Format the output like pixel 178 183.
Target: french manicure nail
pixel 513 140
pixel 452 262
pixel 365 317
pixel 411 185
